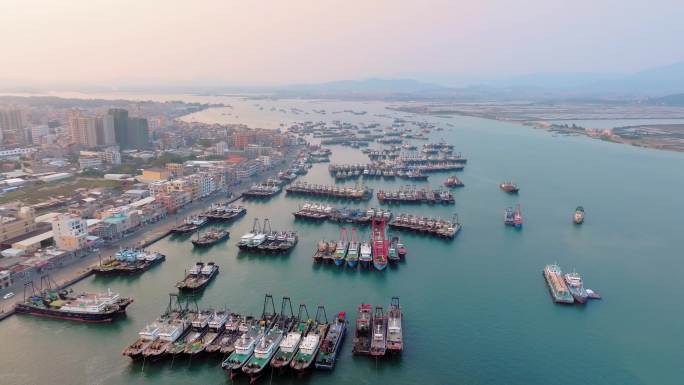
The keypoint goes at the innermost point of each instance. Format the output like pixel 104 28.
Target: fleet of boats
pixel 566 288
pixel 198 277
pixel 379 333
pixel 263 239
pixel 129 261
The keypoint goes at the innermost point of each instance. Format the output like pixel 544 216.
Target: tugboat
pixel 509 187
pixel 557 288
pixel 453 181
pixel 210 238
pixel 395 325
pixel 84 307
pixel 380 244
pixel 576 287
pixel 362 337
pixel 308 350
pixel 341 248
pixel 198 277
pixel 268 345
pixel 331 345
pixel 354 249
pixel 289 345
pixel 517 217
pixel 378 345
pixel 366 254
pixel 578 217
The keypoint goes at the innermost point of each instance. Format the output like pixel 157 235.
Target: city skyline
pixel 113 43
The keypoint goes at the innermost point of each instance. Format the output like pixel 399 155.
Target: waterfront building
pixel 16 222
pixel 70 232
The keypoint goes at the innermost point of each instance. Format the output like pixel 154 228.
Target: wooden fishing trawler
pixel 309 348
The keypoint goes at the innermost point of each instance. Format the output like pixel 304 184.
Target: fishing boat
pixel 578 216
pixel 509 187
pixel 84 307
pixel 331 345
pixel 508 216
pixel 173 324
pixel 378 345
pixel 129 261
pixel 557 287
pixel 233 329
pixel 199 320
pixel 190 224
pixel 214 328
pixel 266 348
pixel 395 326
pixel 453 181
pixel 576 286
pixel 341 248
pixel 393 250
pixel 146 337
pixel 362 335
pixel 223 212
pixel 198 277
pixel 366 254
pixel 244 347
pixel 210 238
pixel 309 348
pixel 354 249
pixel 380 244
pixel 290 344
pixel 517 217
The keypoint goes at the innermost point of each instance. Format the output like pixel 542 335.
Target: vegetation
pixel 40 191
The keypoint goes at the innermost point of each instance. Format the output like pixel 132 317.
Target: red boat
pixel 380 243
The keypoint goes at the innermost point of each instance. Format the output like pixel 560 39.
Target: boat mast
pixel 320 315
pixel 286 302
pixel 302 309
pixel 264 313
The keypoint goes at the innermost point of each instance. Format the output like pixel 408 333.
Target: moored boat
pixel 395 326
pixel 517 217
pixel 290 344
pixel 366 254
pixel 557 287
pixel 578 216
pixel 576 286
pixel 378 345
pixel 509 187
pixel 331 345
pixel 380 244
pixel 362 335
pixel 210 238
pixel 354 250
pixel 310 345
pixel 198 277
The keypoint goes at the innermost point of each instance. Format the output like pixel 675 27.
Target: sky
pixel 110 42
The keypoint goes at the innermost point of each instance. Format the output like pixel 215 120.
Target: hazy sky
pixel 260 42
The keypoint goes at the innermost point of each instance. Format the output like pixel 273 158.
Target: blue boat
pixel 341 248
pixel 331 345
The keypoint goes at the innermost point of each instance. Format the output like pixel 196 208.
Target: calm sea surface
pixel 476 309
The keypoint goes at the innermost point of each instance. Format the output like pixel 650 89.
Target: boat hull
pixel 71 316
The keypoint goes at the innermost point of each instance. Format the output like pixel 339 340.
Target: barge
pixel 557 287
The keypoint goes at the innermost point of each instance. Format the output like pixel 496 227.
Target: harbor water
pixel 476 309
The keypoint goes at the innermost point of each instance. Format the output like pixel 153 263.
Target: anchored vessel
pixel 362 336
pixel 198 327
pixel 331 345
pixel 263 239
pixel 209 323
pixel 354 193
pixel 380 244
pixel 378 345
pixel 198 277
pixel 395 326
pixel 509 187
pixel 234 328
pixel 578 216
pixel 311 344
pixel 84 307
pixel 411 195
pixel 264 190
pixel 453 181
pixel 508 217
pixel 173 325
pixel 129 261
pixel 354 250
pixel 146 337
pixel 557 287
pixel 432 226
pixel 366 254
pixel 341 248
pixel 210 238
pixel 517 217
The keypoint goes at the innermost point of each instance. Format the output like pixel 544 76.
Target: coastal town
pixel 100 179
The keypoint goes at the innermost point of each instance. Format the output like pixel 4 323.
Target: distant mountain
pixel 372 86
pixel 669 100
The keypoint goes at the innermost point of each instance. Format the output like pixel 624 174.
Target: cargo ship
pixel 576 286
pixel 509 187
pixel 557 288
pixel 84 307
pixel 366 254
pixel 578 216
pixel 310 346
pixel 129 261
pixel 222 212
pixel 395 326
pixel 210 238
pixel 378 345
pixel 354 249
pixel 362 336
pixel 290 344
pixel 198 277
pixel 331 345
pixel 190 225
pixel 341 248
pixel 380 244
